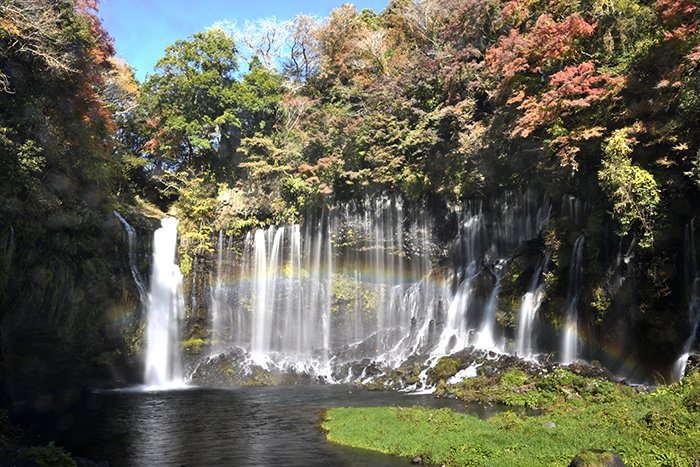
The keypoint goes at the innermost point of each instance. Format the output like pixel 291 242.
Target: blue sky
pixel 143 28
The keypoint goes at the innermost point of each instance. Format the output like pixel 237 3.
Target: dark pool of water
pixel 241 427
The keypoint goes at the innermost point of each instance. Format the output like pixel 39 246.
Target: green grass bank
pixel 661 428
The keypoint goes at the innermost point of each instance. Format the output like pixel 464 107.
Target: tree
pixel 57 178
pixel 264 39
pixel 192 101
pixel 336 39
pixel 303 60
pixel 548 42
pixel 258 95
pixel 122 95
pixel 631 190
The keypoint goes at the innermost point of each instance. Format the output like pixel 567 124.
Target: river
pixel 261 426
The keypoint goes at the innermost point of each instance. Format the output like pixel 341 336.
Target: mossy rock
pixel 446 368
pixel 597 458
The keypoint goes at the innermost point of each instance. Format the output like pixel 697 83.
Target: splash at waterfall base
pixel 362 287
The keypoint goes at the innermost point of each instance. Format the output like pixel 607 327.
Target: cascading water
pixel 569 350
pixel 484 244
pixel 347 264
pixel 486 337
pixel 165 305
pixel 692 280
pixel 456 333
pixel 573 208
pixel 217 313
pixel 530 304
pixel 356 281
pixel 131 239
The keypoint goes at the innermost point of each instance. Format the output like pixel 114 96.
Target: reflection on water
pixel 242 427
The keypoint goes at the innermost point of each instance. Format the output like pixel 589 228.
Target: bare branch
pixel 34 27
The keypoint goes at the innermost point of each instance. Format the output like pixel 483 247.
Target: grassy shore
pixel 661 428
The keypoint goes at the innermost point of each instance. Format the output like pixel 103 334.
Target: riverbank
pixel 654 429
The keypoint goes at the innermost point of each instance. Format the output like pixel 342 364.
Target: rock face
pixel 693 364
pixel 72 298
pixel 597 458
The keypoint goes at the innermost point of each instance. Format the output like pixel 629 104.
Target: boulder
pixel 597 458
pixel 693 364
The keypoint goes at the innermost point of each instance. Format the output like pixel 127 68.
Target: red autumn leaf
pixel 574 87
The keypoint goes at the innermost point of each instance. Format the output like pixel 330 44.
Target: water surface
pixel 241 427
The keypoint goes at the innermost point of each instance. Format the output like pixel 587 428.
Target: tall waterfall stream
pixel 165 305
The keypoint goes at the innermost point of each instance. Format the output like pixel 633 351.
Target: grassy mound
pixel 657 429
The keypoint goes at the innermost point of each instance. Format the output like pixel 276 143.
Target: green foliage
pixel 625 31
pixel 547 391
pixel 347 291
pixel 195 208
pixel 694 172
pixel 600 303
pixel 199 112
pixel 49 456
pixel 473 98
pixel 193 345
pixel 514 377
pixel 300 195
pixel 189 100
pixel 646 430
pixel 58 185
pixel 632 191
pixel 515 282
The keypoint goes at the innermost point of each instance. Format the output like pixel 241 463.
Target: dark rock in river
pixel 234 367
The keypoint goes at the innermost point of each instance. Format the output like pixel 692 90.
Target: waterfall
pixel 456 333
pixel 692 281
pixel 218 299
pixel 485 242
pixel 260 328
pixel 357 281
pixel 573 208
pixel 486 338
pixel 131 239
pixel 529 305
pixel 289 295
pixel 569 352
pixel 165 306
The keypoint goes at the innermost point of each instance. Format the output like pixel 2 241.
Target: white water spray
pixel 165 305
pixel 357 281
pixel 569 352
pixel 530 304
pixel 131 238
pixel 692 279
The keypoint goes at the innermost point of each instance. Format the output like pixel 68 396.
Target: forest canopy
pixel 445 97
pixel 439 96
